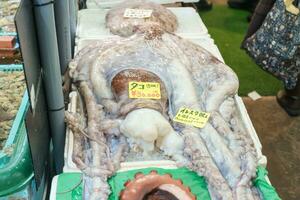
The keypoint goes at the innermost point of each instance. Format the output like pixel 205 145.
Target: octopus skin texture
pixel 128 129
pixel 119 25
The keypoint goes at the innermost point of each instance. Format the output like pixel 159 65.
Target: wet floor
pixel 280 137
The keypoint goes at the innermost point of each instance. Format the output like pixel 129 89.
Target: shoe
pixel 238 4
pixel 82 4
pixel 289 100
pixel 249 17
pixel 204 5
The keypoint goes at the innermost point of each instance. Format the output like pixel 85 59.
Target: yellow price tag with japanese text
pixel 192 117
pixel 144 90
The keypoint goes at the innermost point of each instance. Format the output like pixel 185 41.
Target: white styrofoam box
pixel 165 164
pixel 70 166
pixel 91 23
pixel 112 3
pixel 262 160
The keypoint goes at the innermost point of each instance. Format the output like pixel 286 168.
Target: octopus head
pixel 148 127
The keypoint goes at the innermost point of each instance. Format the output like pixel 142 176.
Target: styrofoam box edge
pixel 111 3
pixel 251 130
pixel 71 167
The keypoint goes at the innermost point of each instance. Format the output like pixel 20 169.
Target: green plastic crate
pixel 16 170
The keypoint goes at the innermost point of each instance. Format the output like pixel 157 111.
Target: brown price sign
pixel 144 90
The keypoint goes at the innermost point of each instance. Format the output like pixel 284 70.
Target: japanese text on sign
pixel 192 117
pixel 137 13
pixel 144 90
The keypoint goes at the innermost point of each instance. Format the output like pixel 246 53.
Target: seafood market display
pixel 124 19
pixel 116 122
pixel 12 87
pixel 8 9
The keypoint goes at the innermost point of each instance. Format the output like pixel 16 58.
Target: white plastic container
pixel 91 23
pixel 111 3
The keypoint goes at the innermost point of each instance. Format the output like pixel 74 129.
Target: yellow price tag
pixel 192 117
pixel 144 90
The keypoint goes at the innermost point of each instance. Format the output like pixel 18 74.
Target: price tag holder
pixel 192 117
pixel 144 90
pixel 137 13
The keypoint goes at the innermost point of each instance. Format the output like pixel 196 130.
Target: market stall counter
pixel 152 109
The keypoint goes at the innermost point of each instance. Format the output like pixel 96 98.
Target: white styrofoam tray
pixel 70 166
pixel 206 42
pixel 111 3
pixel 91 23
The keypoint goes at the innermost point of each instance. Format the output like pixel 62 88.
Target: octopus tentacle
pixel 99 183
pixel 204 165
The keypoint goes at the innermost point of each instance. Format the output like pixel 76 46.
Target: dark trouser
pixel 289 100
pixel 243 4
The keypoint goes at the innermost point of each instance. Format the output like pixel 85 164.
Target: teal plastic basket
pixel 8 34
pixel 16 170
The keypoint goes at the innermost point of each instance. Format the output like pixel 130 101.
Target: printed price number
pixel 144 90
pixel 137 13
pixel 192 117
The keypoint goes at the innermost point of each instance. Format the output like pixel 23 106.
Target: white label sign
pixel 137 13
pixel 32 97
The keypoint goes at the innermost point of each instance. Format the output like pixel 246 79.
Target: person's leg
pixel 289 100
pixel 249 5
pixel 82 4
pixel 243 4
pixel 204 5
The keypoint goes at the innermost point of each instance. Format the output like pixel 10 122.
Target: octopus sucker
pixel 119 129
pixel 98 180
pixel 204 165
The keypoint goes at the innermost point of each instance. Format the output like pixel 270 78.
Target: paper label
pixel 254 95
pixel 192 117
pixel 144 90
pixel 137 13
pixel 32 97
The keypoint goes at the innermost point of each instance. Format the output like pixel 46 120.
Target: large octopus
pixel 115 128
pixel 119 25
